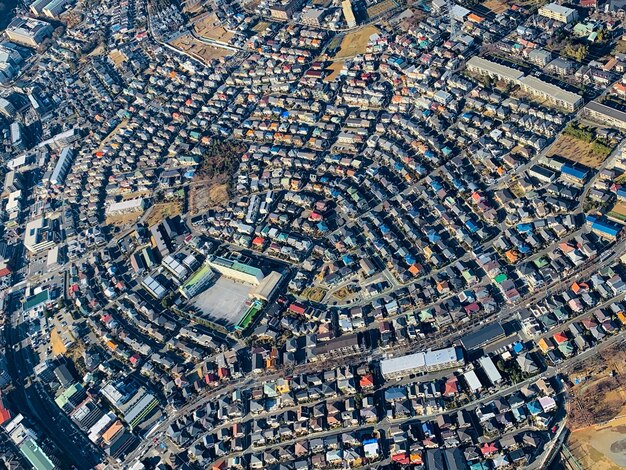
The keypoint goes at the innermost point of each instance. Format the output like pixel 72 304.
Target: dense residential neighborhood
pixel 287 234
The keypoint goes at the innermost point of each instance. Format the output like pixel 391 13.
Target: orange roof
pixel 621 317
pixel 414 269
pixel 110 433
pixel 511 256
pixel 543 345
pixel 475 18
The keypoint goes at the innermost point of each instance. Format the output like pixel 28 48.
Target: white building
pixel 429 361
pixel 558 12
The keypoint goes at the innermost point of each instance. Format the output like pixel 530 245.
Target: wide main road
pixel 33 401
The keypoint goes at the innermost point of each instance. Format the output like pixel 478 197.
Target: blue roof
pixel 606 227
pixel 518 347
pixel 347 259
pixel 472 227
pixel 621 192
pixel 524 228
pixel 534 407
pixel 576 172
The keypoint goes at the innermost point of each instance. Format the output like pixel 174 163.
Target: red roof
pixel 5 414
pixel 297 308
pixel 560 337
pixel 488 448
pixel 400 458
pixel 5 272
pixel 367 381
pixel 451 387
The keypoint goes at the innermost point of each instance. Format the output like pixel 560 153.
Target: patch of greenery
pixel 600 149
pixel 579 133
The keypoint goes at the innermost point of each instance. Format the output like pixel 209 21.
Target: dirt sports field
pixel 576 150
pixel 355 43
pixel 598 411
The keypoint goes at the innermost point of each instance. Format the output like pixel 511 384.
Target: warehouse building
pixel 429 361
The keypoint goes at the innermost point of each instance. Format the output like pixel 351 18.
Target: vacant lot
pixel 200 51
pixel 162 210
pixel 497 6
pixel 598 401
pixel 211 28
pixel 204 196
pixel 314 294
pixel 356 42
pixel 618 211
pixel 58 348
pixel 335 69
pixel 381 7
pixel 601 447
pixel 576 150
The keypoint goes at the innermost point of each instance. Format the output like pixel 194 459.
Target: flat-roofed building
pixel 38 235
pixel 605 115
pixel 198 282
pixel 28 31
pixel 561 13
pixel 492 372
pixel 429 361
pixel 555 95
pixel 236 270
pixel 484 67
pixel 62 167
pixel 125 207
pixel 154 287
pixel 284 10
pixel 267 287
pixel 348 13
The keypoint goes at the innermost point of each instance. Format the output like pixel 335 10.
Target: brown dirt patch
pixel 496 6
pixel 315 294
pixel 58 348
pixel 160 211
pixel 211 28
pixel 356 42
pixel 187 43
pixel 335 69
pixel 575 150
pixel 204 195
pixel 600 394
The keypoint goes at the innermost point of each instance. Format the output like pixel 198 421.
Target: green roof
pixel 36 300
pixel 255 308
pixel 38 459
pixel 197 276
pixel 500 278
pixel 64 398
